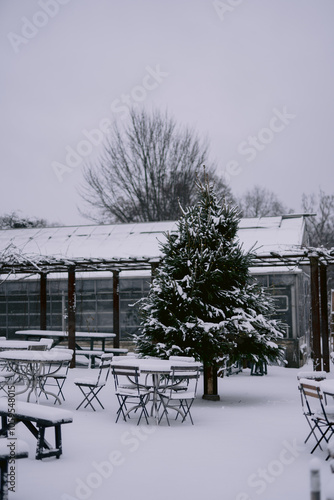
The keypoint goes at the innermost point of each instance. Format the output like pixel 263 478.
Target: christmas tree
pixel 203 301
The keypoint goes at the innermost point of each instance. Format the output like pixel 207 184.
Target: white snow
pixel 142 239
pixel 247 446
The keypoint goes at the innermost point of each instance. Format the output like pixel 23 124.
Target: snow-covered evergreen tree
pixel 203 301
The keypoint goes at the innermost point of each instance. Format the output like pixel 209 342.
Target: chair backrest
pixel 47 342
pixel 65 365
pixel 104 369
pixel 185 373
pixel 182 359
pixel 128 372
pixel 312 396
pixel 37 347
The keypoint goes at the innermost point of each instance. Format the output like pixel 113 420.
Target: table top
pixel 59 333
pixel 17 344
pixel 327 386
pixel 153 365
pixel 36 356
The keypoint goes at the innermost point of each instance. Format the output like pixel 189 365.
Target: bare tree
pixel 260 202
pixel 321 226
pixel 147 170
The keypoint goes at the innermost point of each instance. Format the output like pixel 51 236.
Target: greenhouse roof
pixel 130 246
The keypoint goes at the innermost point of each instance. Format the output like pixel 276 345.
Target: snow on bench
pixel 91 354
pixel 10 450
pixel 43 416
pixel 116 350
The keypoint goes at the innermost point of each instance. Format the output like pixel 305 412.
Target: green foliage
pixel 202 301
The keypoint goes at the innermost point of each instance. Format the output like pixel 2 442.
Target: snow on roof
pixel 142 240
pixel 272 234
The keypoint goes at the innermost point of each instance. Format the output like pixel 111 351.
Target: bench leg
pixel 40 443
pixel 4 426
pixel 4 480
pixel 44 449
pixel 58 441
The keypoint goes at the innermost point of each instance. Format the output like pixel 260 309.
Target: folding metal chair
pixel 58 377
pixel 319 416
pixel 91 386
pixel 128 390
pixel 180 394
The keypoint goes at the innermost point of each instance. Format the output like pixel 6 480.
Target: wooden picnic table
pixel 60 336
pixel 6 345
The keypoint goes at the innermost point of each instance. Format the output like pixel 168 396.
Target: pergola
pixel 318 259
pixel 15 261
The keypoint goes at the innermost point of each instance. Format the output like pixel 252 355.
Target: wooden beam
pixel 116 312
pixel 43 301
pixel 324 317
pixel 71 299
pixel 315 314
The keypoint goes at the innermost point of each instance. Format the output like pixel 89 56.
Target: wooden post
pixel 116 313
pixel 315 310
pixel 43 301
pixel 154 267
pixel 324 317
pixel 71 299
pixel 210 383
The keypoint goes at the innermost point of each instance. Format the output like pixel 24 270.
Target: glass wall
pixel 20 305
pixel 290 292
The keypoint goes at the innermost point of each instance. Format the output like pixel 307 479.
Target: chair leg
pixel 122 407
pixel 60 385
pixel 89 396
pixel 85 398
pixel 94 396
pixel 165 412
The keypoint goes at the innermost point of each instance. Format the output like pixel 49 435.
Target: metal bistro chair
pixel 57 377
pixel 320 417
pixel 180 400
pixel 134 393
pixel 91 386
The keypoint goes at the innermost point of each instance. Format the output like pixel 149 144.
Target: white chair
pixel 129 393
pixel 180 398
pixel 91 386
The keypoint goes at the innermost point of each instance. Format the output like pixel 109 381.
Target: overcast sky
pixel 256 77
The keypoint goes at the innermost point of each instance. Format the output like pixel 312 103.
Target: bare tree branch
pixel 260 202
pixel 320 227
pixel 148 169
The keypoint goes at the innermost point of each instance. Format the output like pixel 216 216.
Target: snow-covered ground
pixel 247 446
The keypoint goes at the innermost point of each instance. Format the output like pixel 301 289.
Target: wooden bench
pixel 116 350
pixel 10 451
pixel 91 354
pixel 42 416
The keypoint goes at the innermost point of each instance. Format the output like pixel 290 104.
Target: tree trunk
pixel 210 383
